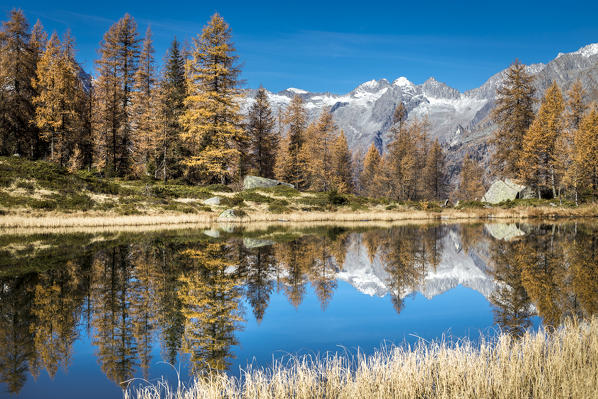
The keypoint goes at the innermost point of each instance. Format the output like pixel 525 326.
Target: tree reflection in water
pixel 189 289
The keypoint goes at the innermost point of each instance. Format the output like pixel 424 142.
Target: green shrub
pixel 254 197
pixel 219 188
pixel 334 198
pixel 26 185
pixel 278 208
pixel 280 191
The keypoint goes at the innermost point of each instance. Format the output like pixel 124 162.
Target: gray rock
pixel 504 190
pixel 250 243
pixel 261 182
pixel 212 201
pixel 229 214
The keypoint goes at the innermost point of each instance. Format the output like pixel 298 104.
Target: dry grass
pixel 560 364
pixel 95 219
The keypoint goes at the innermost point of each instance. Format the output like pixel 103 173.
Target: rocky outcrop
pixel 504 190
pixel 261 182
pixel 230 214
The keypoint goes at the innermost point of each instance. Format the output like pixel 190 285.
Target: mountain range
pixel 460 120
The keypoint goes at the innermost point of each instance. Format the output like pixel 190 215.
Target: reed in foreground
pixel 558 364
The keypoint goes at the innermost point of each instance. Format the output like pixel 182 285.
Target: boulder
pixel 212 201
pixel 261 182
pixel 229 214
pixel 504 190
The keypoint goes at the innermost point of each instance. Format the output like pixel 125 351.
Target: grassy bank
pixel 558 364
pixel 41 194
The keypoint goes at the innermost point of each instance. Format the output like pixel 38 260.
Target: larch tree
pixel 538 156
pixel 565 157
pixel 513 114
pixel 342 165
pixel 317 151
pixel 18 133
pixel 402 160
pixel 119 54
pixel 471 178
pixel 586 155
pixel 290 165
pixel 59 94
pixel 144 109
pixel 434 173
pixel 370 175
pixel 263 140
pixel 212 120
pixel 171 105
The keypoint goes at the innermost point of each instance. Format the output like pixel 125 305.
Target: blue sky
pixel 334 46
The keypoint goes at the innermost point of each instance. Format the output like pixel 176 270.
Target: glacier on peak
pixel 402 82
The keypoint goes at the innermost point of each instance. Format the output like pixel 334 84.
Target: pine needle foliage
pixel 212 120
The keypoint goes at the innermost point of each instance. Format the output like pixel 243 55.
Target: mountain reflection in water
pixel 192 292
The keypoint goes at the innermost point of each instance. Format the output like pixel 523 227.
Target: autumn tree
pixel 401 161
pixel 565 156
pixel 538 156
pixel 586 144
pixel 144 109
pixel 119 54
pixel 342 165
pixel 18 133
pixel 171 105
pixel 290 164
pixel 370 175
pixel 59 96
pixel 316 151
pixel 513 115
pixel 212 120
pixel 263 140
pixel 471 180
pixel 434 173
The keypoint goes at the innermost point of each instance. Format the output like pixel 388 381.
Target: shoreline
pixel 90 220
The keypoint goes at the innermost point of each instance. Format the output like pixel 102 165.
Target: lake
pixel 94 311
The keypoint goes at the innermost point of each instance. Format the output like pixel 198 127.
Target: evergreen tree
pixel 144 108
pixel 212 120
pixel 513 114
pixel 471 187
pixel 172 93
pixel 291 165
pixel 119 52
pixel 18 133
pixel 370 176
pixel 434 174
pixel 342 167
pixel 538 156
pixel 263 140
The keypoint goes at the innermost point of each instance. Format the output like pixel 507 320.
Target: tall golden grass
pixel 559 364
pixel 253 216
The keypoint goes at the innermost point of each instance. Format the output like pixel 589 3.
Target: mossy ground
pixel 41 188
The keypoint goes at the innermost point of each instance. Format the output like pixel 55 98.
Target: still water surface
pixel 85 312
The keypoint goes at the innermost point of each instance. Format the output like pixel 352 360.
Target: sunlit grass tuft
pixel 558 364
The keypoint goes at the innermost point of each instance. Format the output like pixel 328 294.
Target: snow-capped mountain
pixel 460 120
